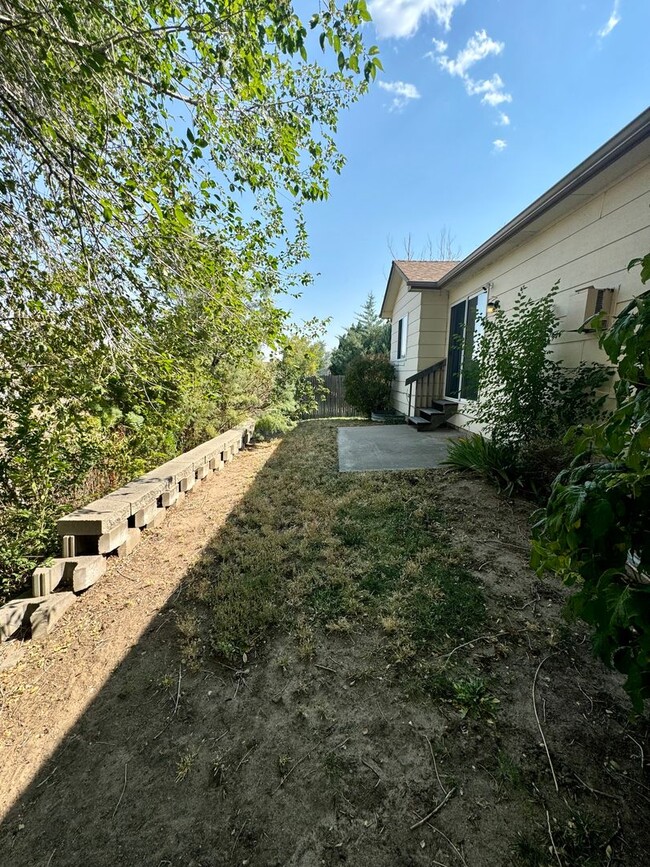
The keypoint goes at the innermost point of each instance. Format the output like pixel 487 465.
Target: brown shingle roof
pixel 423 271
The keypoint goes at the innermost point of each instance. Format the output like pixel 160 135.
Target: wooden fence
pixel 333 405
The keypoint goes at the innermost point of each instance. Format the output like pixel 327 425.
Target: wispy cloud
pixel 491 90
pixel 613 20
pixel 402 91
pixel 401 18
pixel 503 120
pixel 500 145
pixel 479 46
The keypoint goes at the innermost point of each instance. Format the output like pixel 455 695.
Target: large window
pixel 402 328
pixel 465 327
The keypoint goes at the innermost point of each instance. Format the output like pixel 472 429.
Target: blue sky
pixel 482 105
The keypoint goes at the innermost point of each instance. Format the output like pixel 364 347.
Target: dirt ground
pixel 116 751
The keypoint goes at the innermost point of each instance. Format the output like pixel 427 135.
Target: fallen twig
pixel 502 542
pixel 642 755
pixel 378 775
pixel 47 778
pixel 445 837
pixel 122 792
pixel 596 791
pixel 299 762
pixel 178 691
pixel 474 640
pixel 539 725
pixel 550 834
pixel 326 668
pixel 244 757
pixel 435 766
pixel 434 811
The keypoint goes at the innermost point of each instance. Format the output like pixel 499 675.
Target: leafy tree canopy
pixel 369 335
pixel 146 147
pixel 155 159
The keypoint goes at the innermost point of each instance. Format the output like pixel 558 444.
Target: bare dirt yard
pixel 306 668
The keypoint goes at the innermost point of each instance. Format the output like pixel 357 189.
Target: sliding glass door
pixel 465 328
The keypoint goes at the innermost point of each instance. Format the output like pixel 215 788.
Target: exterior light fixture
pixel 493 305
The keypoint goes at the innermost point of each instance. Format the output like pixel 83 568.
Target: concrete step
pixel 449 407
pixel 429 412
pixel 419 423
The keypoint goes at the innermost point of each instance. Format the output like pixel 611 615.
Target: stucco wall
pixel 407 303
pixel 590 246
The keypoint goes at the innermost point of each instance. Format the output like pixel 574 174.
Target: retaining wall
pixel 112 526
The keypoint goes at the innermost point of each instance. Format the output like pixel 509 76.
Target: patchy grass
pixel 353 686
pixel 317 549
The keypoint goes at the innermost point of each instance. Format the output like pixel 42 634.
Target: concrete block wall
pixel 112 525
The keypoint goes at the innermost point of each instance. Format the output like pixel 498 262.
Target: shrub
pixel 594 529
pixel 527 400
pixel 481 455
pixel 526 395
pixel 272 424
pixel 368 383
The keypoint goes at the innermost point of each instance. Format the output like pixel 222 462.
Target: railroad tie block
pixel 46 578
pixel 187 483
pixel 170 498
pixel 157 519
pixel 216 464
pixel 113 539
pixel 16 614
pixel 145 515
pixel 132 539
pixel 68 546
pixel 87 571
pixel 49 612
pixel 202 471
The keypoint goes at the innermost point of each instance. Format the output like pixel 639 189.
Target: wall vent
pixel 598 301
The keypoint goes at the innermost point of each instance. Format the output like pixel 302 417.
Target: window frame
pixel 466 301
pixel 402 338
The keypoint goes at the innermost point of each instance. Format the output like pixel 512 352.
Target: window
pixel 402 329
pixel 465 327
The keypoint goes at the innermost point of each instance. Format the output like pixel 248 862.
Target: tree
pixel 147 150
pixel 444 249
pixel 368 383
pixel 369 335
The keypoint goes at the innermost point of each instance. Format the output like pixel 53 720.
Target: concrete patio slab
pixel 392 447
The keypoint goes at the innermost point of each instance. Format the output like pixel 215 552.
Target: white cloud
pixel 500 145
pixel 401 18
pixel 439 46
pixel 613 20
pixel 478 47
pixel 489 89
pixel 503 120
pixel 402 92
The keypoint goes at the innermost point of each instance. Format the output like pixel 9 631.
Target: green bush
pixel 594 531
pixel 527 400
pixel 368 383
pixel 272 424
pixel 485 457
pixel 526 395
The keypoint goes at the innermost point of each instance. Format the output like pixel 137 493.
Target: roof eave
pixel 620 144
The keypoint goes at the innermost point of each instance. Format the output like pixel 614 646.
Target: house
pixel 582 232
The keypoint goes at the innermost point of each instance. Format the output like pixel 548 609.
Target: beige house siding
pixel 592 245
pixel 406 304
